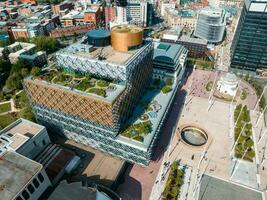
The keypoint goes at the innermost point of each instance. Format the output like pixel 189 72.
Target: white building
pixel 26 51
pixel 136 12
pixel 210 24
pixel 21 178
pixel 165 6
pixel 228 84
pixel 24 137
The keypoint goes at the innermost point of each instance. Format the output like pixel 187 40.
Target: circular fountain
pixel 194 136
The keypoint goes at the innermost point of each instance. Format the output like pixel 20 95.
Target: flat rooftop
pixel 18 133
pixel 214 188
pixel 23 127
pixel 212 12
pixel 185 38
pixel 108 54
pixel 99 167
pixel 15 172
pixel 91 86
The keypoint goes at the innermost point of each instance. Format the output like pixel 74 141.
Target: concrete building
pixel 63 7
pixel 90 16
pixel 25 138
pixel 248 51
pixel 165 6
pixel 184 18
pixel 21 178
pixel 137 13
pixel 32 141
pixel 77 190
pixel 110 15
pixel 169 60
pixel 197 47
pixel 28 31
pixel 25 51
pixel 210 25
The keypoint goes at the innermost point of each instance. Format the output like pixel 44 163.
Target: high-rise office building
pixel 249 47
pixel 210 25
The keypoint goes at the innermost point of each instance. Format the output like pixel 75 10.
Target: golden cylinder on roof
pixel 126 37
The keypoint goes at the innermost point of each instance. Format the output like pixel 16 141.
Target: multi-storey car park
pixel 103 95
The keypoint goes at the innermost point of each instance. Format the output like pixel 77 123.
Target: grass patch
pixel 174 182
pixel 7 119
pixel 5 107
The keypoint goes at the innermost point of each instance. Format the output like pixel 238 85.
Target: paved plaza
pixel 192 108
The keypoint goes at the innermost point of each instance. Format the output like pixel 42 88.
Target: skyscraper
pixel 249 47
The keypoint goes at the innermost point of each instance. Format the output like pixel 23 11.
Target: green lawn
pixel 5 120
pixel 5 107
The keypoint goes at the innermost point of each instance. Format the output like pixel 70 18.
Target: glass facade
pixel 249 48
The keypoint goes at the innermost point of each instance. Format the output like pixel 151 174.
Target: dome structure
pixel 228 84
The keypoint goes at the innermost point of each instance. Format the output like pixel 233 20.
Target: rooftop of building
pixel 215 188
pixel 169 53
pixel 126 28
pixel 187 38
pixel 15 172
pixel 212 12
pixel 94 87
pixel 17 133
pixel 76 190
pixel 107 53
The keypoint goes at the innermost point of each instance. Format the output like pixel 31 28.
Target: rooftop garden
pixel 80 82
pixel 243 134
pixel 174 182
pixel 149 109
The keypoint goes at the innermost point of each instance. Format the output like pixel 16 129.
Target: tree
pixel 24 72
pixel 44 43
pixel 14 82
pixel 36 71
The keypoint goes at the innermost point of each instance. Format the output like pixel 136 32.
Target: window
pixel 19 198
pixel 44 143
pixel 35 183
pixel 40 178
pixel 25 195
pixel 31 188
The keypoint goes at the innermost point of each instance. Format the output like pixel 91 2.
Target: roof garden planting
pixel 243 134
pixel 148 112
pixel 85 83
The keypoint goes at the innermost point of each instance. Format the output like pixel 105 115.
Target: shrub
pixel 169 81
pixel 166 89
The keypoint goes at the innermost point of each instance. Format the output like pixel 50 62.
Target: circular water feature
pixel 194 136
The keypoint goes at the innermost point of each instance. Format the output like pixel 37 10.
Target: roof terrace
pixel 107 53
pixel 93 86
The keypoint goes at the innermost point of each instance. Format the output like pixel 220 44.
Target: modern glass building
pixel 249 47
pixel 210 25
pixel 93 96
